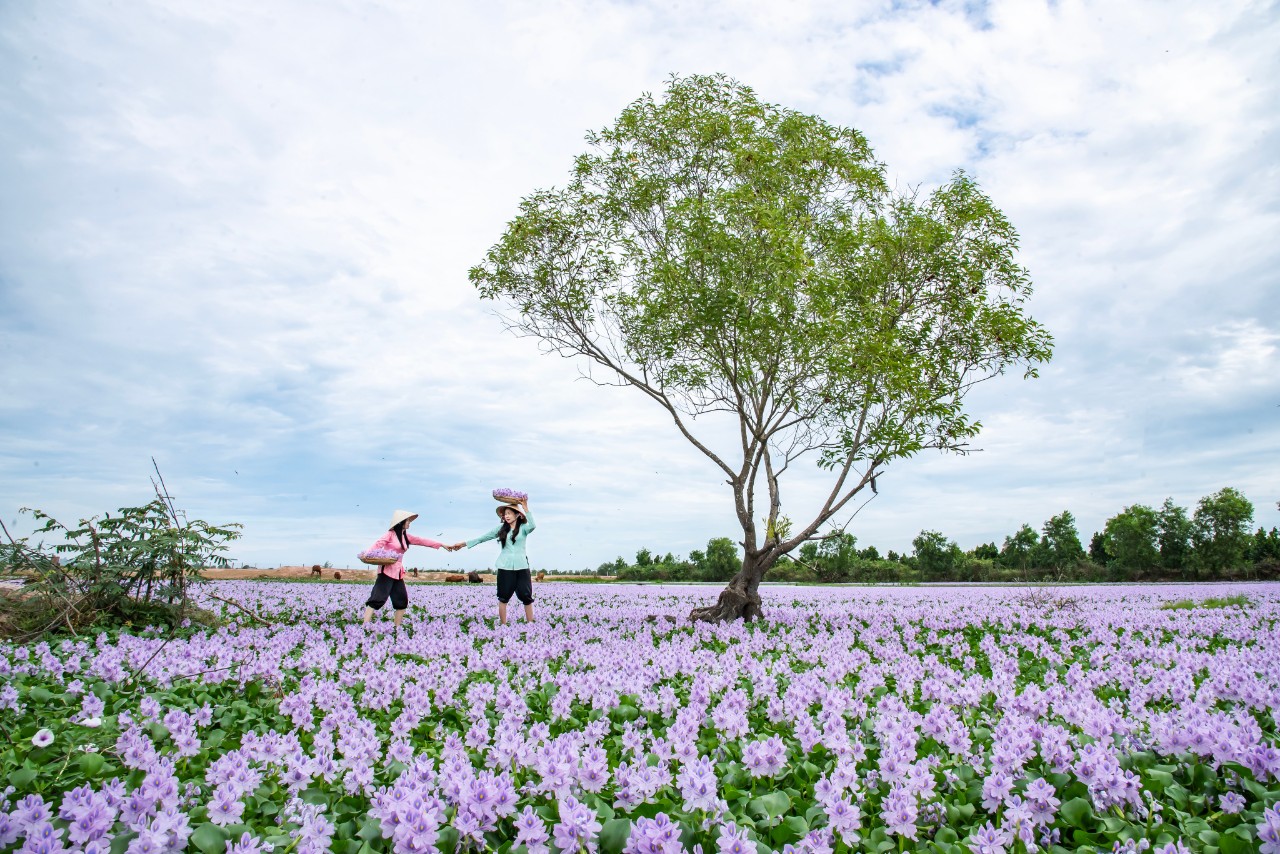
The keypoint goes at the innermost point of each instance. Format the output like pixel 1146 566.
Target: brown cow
pixel 455 577
pixel 542 575
pixel 315 570
pixel 474 577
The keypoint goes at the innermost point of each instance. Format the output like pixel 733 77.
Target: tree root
pixel 734 604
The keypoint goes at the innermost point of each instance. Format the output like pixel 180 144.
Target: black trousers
pixel 515 581
pixel 387 586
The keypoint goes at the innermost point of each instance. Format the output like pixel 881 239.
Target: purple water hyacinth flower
pixel 899 812
pixel 988 840
pixel 734 841
pixel 995 788
pixel 30 811
pixel 248 844
pixel 1231 802
pixel 42 738
pixel 577 828
pixel 225 806
pixel 765 758
pixel 845 819
pixel 43 837
pixel 513 494
pixel 657 835
pixel 8 828
pixel 1269 830
pixel 531 831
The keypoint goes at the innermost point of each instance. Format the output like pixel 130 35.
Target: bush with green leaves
pixel 136 565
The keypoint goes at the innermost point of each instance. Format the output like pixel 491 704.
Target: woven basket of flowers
pixel 378 557
pixel 509 496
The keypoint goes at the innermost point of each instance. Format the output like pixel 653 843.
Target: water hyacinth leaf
pixel 1230 843
pixel 370 830
pixel 1076 812
pixel 210 838
pixel 91 764
pixel 614 835
pixel 946 836
pixel 447 840
pixel 22 778
pixel 792 828
pixel 771 805
pixel 1158 779
pixel 40 695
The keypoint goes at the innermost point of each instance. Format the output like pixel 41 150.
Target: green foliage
pixel 936 557
pixel 134 566
pixel 1239 600
pixel 1018 548
pixel 1130 541
pixel 834 559
pixel 1220 530
pixel 721 561
pixel 1060 542
pixel 721 254
pixel 1173 536
pixel 1265 546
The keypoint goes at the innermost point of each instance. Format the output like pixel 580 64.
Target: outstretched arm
pixel 483 538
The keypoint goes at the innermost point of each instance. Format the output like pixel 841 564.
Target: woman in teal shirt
pixel 513 562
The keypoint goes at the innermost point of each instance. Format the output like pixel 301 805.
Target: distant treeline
pixel 1215 543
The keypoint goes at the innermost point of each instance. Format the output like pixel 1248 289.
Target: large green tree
pixel 1130 541
pixel 1220 530
pixel 1174 537
pixel 1060 542
pixel 733 259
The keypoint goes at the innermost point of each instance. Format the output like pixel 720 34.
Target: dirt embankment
pixel 347 574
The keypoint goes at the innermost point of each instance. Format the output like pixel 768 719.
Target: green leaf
pixel 370 830
pixel 22 777
pixel 795 826
pixel 1076 812
pixel 614 835
pixel 1229 843
pixel 210 838
pixel 772 805
pixel 40 695
pixel 91 764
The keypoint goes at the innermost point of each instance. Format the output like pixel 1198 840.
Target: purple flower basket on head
pixel 510 496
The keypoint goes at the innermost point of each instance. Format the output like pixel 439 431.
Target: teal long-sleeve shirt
pixel 513 555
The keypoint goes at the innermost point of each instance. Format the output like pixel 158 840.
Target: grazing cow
pixel 315 570
pixel 414 570
pixel 337 576
pixel 542 575
pixel 474 577
pixel 455 577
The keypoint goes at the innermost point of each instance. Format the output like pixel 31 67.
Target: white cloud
pixel 236 237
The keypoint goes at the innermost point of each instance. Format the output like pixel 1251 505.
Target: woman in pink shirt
pixel 390 580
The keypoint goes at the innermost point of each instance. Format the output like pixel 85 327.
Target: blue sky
pixel 235 237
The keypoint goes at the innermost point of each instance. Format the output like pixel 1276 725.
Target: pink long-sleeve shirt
pixel 390 542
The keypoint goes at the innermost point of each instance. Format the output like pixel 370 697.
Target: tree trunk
pixel 741 599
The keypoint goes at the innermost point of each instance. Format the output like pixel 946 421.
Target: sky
pixel 234 239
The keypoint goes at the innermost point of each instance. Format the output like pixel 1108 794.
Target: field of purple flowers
pixel 852 719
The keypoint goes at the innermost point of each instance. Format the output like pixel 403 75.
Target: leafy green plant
pixel 1212 602
pixel 134 566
